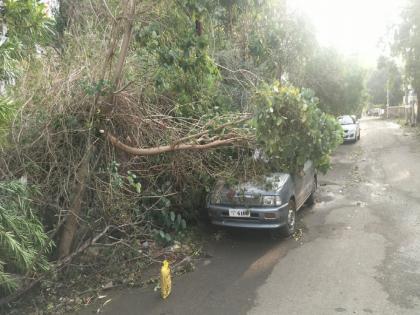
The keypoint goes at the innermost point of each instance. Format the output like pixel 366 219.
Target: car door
pixel 299 182
pixel 304 183
pixel 309 177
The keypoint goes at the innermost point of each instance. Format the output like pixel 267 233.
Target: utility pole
pixel 387 100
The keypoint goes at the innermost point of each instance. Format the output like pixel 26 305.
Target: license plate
pixel 239 213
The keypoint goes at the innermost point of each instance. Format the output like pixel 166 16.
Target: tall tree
pixel 337 82
pixel 407 45
pixel 387 76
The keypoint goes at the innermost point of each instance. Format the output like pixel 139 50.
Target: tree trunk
pixel 82 175
pixel 71 224
pixel 198 27
pixel 279 73
pixel 229 18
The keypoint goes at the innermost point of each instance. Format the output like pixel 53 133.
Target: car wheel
pixel 290 227
pixel 311 199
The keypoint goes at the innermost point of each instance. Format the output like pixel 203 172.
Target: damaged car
pixel 270 202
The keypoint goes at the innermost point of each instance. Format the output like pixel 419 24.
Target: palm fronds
pixel 23 242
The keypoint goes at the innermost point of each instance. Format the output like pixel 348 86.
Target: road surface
pixel 359 252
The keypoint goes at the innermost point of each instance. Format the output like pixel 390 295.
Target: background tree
pixel 339 83
pixel 386 76
pixel 407 45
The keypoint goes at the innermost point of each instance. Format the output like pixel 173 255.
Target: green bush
pixel 23 242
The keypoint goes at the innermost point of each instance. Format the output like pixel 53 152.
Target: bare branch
pixel 172 148
pixel 195 136
pixel 130 10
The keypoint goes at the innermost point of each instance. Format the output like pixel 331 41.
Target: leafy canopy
pixel 291 129
pixel 25 25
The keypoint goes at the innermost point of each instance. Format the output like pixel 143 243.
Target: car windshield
pixel 269 162
pixel 345 120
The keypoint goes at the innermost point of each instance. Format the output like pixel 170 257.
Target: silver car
pixel 270 203
pixel 351 127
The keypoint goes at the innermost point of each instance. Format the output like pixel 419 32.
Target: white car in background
pixel 351 127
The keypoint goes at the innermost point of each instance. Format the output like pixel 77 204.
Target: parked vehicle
pixel 351 128
pixel 376 112
pixel 270 203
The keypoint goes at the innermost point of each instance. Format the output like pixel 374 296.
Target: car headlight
pixel 271 201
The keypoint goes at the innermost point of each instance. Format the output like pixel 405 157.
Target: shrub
pixel 23 242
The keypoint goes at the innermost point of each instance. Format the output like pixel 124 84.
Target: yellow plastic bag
pixel 165 280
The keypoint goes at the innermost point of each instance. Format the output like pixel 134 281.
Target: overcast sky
pixel 351 26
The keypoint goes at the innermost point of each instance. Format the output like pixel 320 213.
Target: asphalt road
pixel 358 253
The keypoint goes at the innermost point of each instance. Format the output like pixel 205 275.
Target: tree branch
pixel 172 148
pixel 130 11
pixel 197 135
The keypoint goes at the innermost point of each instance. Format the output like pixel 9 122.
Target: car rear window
pixel 345 120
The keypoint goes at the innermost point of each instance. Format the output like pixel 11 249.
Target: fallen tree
pixel 125 127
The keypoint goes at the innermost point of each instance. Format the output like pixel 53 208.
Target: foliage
pixel 258 41
pixel 27 26
pixel 385 76
pixel 338 83
pixel 407 45
pixel 7 109
pixel 291 129
pixel 172 226
pixel 23 242
pixel 182 67
pixel 280 43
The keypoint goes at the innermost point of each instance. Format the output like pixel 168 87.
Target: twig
pixel 123 88
pixel 109 11
pixel 248 117
pixel 130 11
pixel 83 247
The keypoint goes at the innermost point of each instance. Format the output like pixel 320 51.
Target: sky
pixel 353 27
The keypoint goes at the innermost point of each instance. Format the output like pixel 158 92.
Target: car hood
pixel 249 192
pixel 349 127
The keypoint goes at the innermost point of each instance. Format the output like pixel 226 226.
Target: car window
pixel 345 120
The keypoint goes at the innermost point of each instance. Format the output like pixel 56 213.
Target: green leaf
pixel 138 188
pixel 172 215
pixel 168 237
